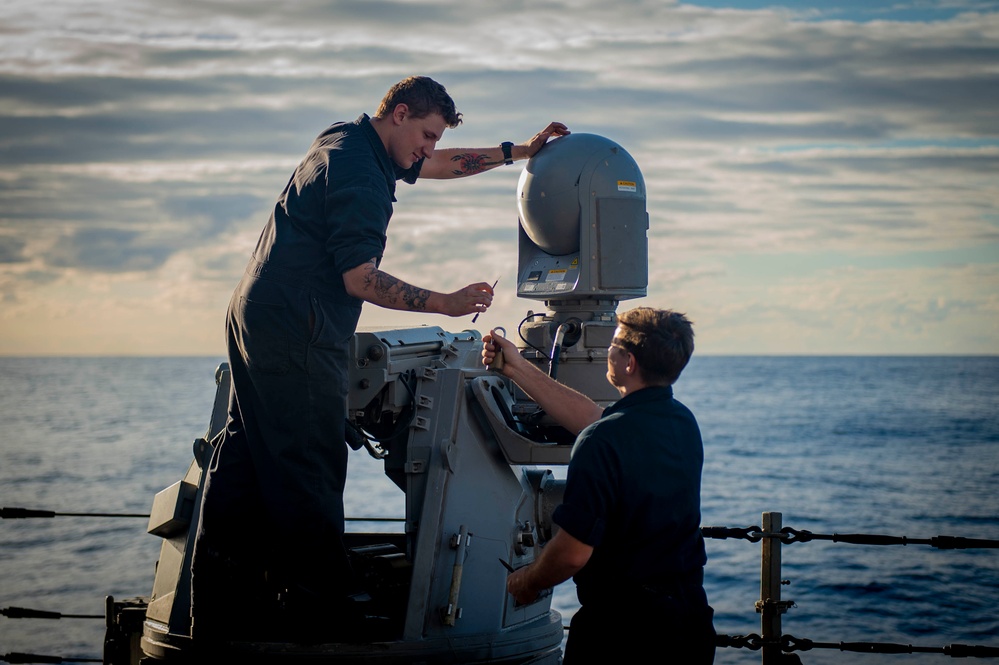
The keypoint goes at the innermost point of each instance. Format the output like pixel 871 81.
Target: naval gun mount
pixel 460 441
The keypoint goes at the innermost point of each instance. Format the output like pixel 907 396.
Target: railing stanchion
pixel 769 605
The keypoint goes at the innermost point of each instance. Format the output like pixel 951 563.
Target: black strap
pixel 507 147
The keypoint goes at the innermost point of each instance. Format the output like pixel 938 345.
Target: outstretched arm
pixel 369 283
pixel 569 408
pixel 461 162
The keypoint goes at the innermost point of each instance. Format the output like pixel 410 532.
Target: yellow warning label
pixel 556 275
pixel 627 186
pixel 575 261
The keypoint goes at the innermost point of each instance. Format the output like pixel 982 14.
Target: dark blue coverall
pixel 270 546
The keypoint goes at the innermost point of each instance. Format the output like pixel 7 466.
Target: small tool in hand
pixel 497 363
pixel 494 290
pixel 506 565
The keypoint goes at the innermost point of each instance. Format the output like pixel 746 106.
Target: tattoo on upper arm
pixel 472 162
pixel 392 291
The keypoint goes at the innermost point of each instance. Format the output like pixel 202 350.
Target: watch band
pixel 507 147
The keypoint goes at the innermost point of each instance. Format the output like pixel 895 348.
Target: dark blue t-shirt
pixel 633 493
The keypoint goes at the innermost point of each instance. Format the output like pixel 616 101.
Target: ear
pixel 400 113
pixel 632 365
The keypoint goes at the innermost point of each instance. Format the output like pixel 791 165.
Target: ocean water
pixel 885 445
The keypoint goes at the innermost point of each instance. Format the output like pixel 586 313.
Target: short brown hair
pixel 423 96
pixel 661 340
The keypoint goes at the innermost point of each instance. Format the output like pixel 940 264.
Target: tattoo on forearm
pixel 391 290
pixel 415 299
pixel 471 162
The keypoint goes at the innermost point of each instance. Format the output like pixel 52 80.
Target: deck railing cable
pixel 17 657
pixel 25 613
pixel 777 648
pixel 789 536
pixel 8 513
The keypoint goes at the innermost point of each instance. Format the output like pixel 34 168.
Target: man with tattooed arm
pixel 270 539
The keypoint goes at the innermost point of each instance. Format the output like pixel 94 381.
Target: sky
pixel 822 177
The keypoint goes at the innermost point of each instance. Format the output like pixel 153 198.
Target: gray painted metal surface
pixel 464 444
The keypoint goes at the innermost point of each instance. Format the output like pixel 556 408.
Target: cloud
pixel 214 214
pixel 11 250
pixel 112 250
pixel 850 310
pixel 145 142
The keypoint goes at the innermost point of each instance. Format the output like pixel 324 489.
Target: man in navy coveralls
pixel 272 520
pixel 630 518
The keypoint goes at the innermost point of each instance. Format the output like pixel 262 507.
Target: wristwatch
pixel 507 147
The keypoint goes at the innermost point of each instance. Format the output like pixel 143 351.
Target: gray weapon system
pixel 583 248
pixel 463 443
